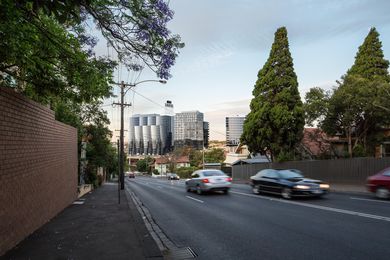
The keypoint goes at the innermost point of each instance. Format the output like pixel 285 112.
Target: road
pixel 242 225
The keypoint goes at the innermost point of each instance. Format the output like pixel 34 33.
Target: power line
pixel 150 100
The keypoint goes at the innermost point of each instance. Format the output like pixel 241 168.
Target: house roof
pixel 251 161
pixel 166 160
pixel 315 141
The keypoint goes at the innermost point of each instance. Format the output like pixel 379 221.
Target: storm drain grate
pixel 182 253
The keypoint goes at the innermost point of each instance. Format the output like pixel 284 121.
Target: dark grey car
pixel 208 180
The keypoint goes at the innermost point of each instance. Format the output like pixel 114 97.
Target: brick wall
pixel 38 167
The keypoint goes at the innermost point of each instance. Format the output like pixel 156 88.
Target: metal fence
pixel 341 171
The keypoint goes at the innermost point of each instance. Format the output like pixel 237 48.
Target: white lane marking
pixel 348 212
pixel 78 202
pixel 354 198
pixel 189 197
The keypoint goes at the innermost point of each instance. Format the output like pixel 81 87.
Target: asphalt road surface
pixel 243 225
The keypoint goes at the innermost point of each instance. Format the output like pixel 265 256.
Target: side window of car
pixel 271 174
pixel 261 174
pixel 195 175
pixel 386 173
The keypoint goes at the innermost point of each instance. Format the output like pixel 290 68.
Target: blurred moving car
pixel 208 180
pixel 131 175
pixel 173 176
pixel 288 183
pixel 380 184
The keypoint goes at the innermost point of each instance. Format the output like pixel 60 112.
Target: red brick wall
pixel 38 167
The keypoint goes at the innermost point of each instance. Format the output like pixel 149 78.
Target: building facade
pixel 150 134
pixel 234 129
pixel 190 130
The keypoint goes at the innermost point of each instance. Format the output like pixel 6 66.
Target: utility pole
pixel 119 182
pixel 121 135
pixel 123 105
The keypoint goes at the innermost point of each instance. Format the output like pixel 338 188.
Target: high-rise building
pixel 189 129
pixel 234 129
pixel 150 134
pixel 206 133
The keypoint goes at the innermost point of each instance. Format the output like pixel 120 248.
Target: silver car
pixel 208 180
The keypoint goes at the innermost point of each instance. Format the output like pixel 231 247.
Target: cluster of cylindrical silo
pixel 150 134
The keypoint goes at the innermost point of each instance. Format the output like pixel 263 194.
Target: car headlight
pixel 324 186
pixel 302 187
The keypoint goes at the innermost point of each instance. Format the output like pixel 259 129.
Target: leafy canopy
pixel 275 122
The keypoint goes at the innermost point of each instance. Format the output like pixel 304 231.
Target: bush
pixel 155 172
pixel 185 172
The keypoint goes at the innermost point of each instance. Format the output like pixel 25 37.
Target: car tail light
pixel 205 181
pixel 229 179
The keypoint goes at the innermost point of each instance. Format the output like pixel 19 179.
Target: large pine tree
pixel 276 120
pixel 369 60
pixel 356 106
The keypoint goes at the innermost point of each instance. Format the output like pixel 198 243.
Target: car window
pixel 213 173
pixel 290 174
pixel 387 173
pixel 271 174
pixel 195 175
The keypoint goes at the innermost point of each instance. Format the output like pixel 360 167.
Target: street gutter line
pixel 354 198
pixel 189 197
pixel 343 211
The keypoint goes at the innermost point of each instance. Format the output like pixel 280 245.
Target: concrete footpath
pixel 94 227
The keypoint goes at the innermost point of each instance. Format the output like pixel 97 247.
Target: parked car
pixel 288 183
pixel 173 176
pixel 380 184
pixel 131 175
pixel 208 180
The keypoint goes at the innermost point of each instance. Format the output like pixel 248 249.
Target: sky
pixel 228 42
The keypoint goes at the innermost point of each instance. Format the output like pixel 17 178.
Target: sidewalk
pixel 97 229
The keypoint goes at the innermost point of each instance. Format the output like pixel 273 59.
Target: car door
pixel 193 181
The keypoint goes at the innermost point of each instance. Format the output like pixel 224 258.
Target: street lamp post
pixel 122 105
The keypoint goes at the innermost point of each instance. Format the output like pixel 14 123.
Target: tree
pixel 357 108
pixel 316 105
pixel 215 155
pixel 144 165
pixel 134 28
pixel 275 122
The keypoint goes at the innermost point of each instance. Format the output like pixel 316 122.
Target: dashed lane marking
pixel 343 211
pixel 189 197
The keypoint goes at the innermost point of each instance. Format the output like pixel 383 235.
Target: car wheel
pixel 188 189
pixel 286 193
pixel 382 193
pixel 256 189
pixel 225 191
pixel 198 190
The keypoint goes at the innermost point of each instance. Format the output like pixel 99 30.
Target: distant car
pixel 131 175
pixel 380 184
pixel 208 180
pixel 288 183
pixel 173 176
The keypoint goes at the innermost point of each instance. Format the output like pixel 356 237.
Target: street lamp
pixel 122 105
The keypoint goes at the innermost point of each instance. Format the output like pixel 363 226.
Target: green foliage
pixel 215 155
pixel 45 60
pixel 316 105
pixel 144 165
pixel 275 122
pixel 185 172
pixel 359 107
pixel 156 172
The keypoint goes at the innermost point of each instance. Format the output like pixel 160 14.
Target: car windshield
pixel 290 174
pixel 213 173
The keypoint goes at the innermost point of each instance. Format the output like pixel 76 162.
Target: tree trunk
pixel 349 135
